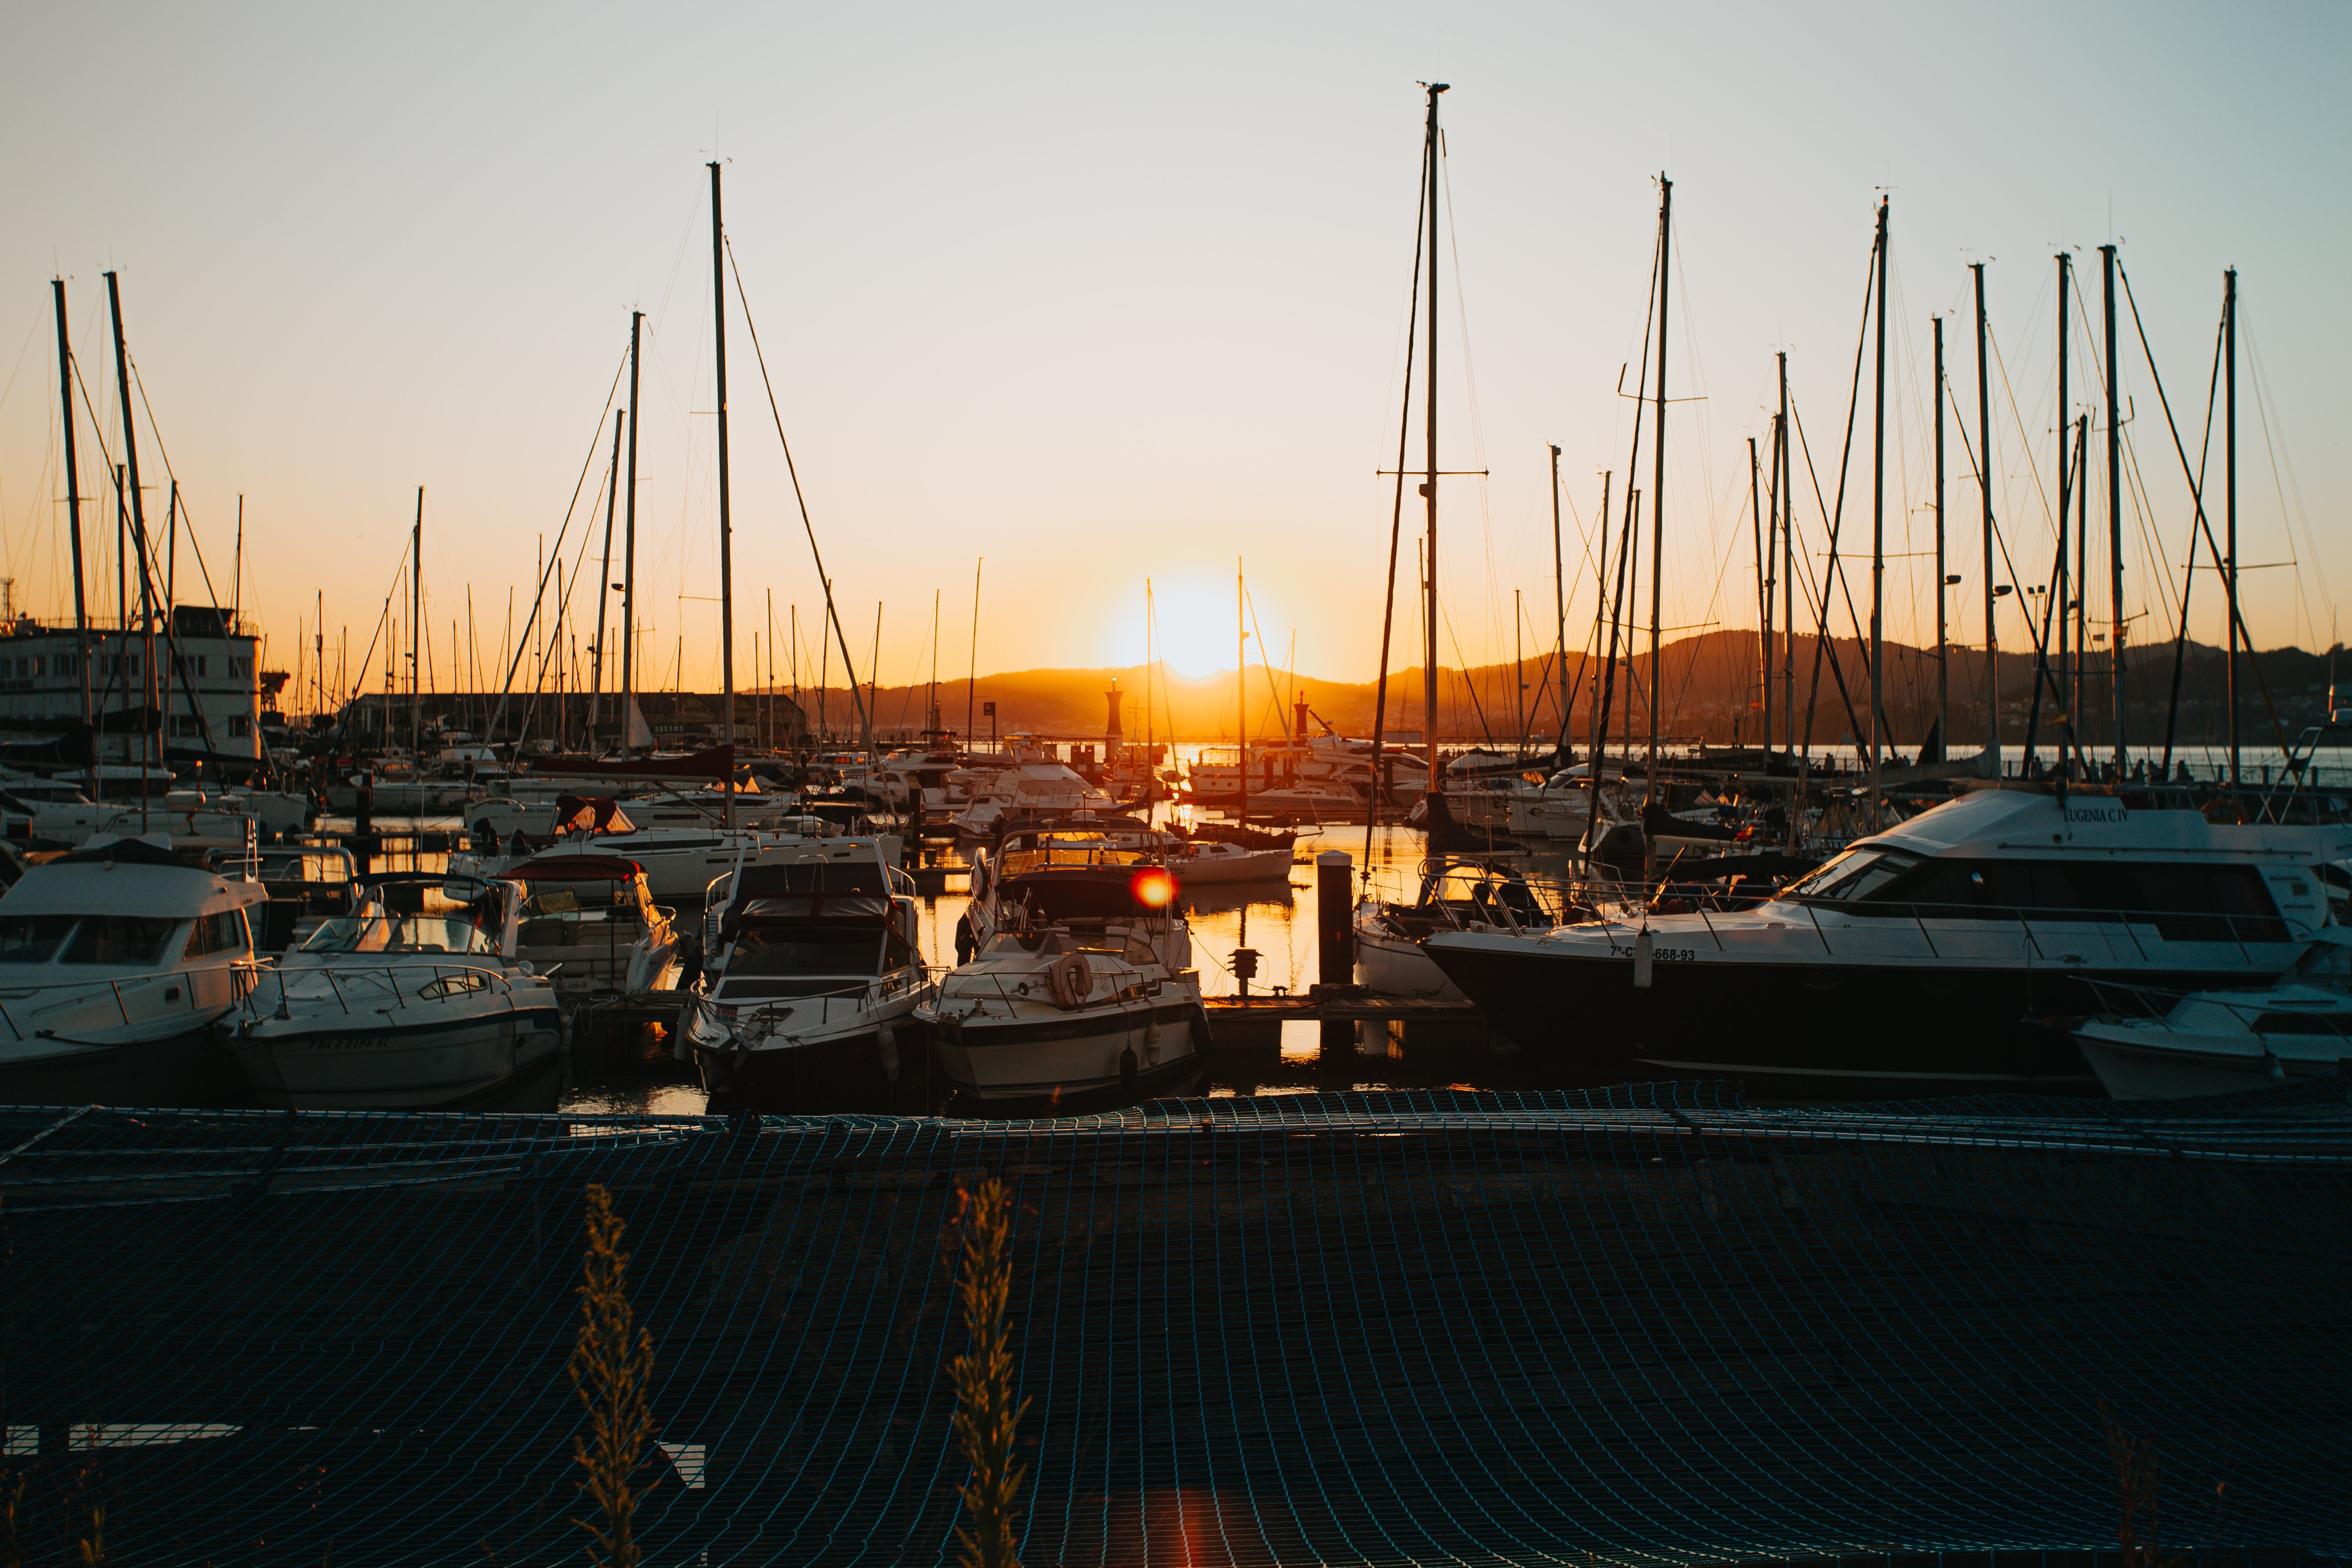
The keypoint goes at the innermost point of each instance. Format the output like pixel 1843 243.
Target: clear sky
pixel 1104 292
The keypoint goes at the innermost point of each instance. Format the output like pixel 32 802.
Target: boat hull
pixel 2159 1063
pixel 1792 1030
pixel 350 1066
pixel 877 1065
pixel 1388 964
pixel 1037 1056
pixel 186 1067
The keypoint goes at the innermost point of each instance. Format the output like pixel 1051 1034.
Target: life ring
pixel 1070 979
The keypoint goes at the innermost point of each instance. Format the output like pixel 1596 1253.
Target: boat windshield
pixel 770 952
pixel 119 939
pixel 398 933
pixel 1853 876
pixel 34 939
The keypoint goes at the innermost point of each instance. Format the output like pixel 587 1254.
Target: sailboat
pixel 1390 961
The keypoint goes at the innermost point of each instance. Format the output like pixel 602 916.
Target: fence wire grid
pixel 1647 1325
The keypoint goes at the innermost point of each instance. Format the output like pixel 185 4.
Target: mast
pixel 2228 332
pixel 1658 462
pixel 2066 476
pixel 629 552
pixel 1518 676
pixel 726 518
pixel 1241 681
pixel 604 585
pixel 1878 534
pixel 73 526
pixel 415 629
pixel 933 704
pixel 1788 567
pixel 1984 493
pixel 1435 786
pixel 972 682
pixel 139 505
pixel 2074 725
pixel 1763 600
pixel 1943 583
pixel 2115 515
pixel 1560 611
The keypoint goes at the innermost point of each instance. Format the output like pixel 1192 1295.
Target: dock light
pixel 1153 887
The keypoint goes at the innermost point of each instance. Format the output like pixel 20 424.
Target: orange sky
pixel 1102 297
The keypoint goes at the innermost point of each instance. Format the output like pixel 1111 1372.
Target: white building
pixel 214 702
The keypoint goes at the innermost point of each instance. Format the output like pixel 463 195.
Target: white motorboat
pixel 2224 1042
pixel 117 964
pixel 808 1002
pixel 1084 981
pixel 1029 788
pixel 679 862
pixel 1948 954
pixel 416 1002
pixel 1456 894
pixel 195 823
pixel 591 924
pixel 1210 860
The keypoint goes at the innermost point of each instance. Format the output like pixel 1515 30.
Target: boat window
pixel 119 939
pixel 34 939
pixel 2300 1024
pixel 1855 875
pixel 456 984
pixel 2183 903
pixel 397 933
pixel 216 933
pixel 806 952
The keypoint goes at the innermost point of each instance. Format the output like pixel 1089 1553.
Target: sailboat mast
pixel 139 510
pixel 1788 565
pixel 1560 611
pixel 2115 515
pixel 726 517
pixel 1943 652
pixel 2065 499
pixel 1763 597
pixel 1878 534
pixel 629 552
pixel 1435 784
pixel 1241 683
pixel 415 627
pixel 1984 494
pixel 1658 465
pixel 971 681
pixel 2228 332
pixel 604 586
pixel 73 526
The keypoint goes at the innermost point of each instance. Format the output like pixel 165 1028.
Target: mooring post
pixel 1335 882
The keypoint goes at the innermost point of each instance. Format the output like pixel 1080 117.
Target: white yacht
pixel 416 1002
pixel 2223 1042
pixel 589 922
pixel 1945 955
pixel 117 964
pixel 1212 860
pixel 1026 788
pixel 1084 981
pixel 807 1003
pixel 1456 894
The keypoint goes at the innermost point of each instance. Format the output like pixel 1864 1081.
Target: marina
pixel 1021 850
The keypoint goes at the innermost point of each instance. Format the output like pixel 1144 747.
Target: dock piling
pixel 1335 880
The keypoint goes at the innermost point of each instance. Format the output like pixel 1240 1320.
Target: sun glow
pixel 1192 631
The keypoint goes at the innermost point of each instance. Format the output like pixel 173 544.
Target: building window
pixel 36 664
pixel 184 726
pixel 239 726
pixel 201 662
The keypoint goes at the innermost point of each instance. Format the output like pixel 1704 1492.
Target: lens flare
pixel 1153 887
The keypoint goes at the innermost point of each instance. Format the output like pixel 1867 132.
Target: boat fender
pixel 1642 961
pixel 1070 980
pixel 887 1038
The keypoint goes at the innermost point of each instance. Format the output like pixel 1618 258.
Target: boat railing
pixel 385 979
pixel 244 975
pixel 870 993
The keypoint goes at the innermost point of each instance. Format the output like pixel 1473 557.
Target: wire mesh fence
pixel 1642 1325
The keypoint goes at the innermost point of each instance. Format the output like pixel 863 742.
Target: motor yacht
pixel 416 1001
pixel 808 998
pixel 1948 954
pixel 1083 982
pixel 591 924
pixel 2225 1042
pixel 1457 893
pixel 117 964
